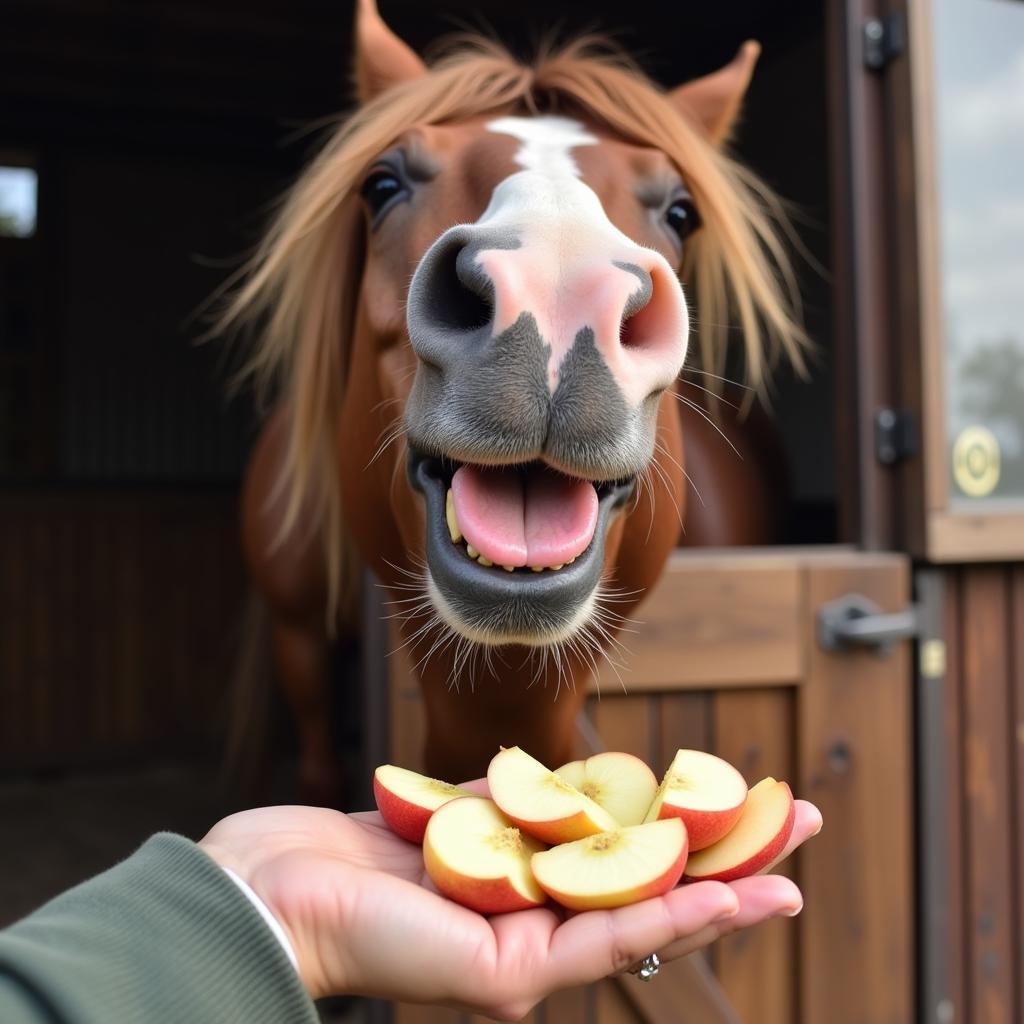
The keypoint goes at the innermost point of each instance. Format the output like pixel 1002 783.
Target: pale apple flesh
pixel 542 803
pixel 620 783
pixel 406 799
pixel 755 842
pixel 613 869
pixel 477 857
pixel 705 791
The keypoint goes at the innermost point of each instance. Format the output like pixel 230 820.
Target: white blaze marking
pixel 547 142
pixel 563 270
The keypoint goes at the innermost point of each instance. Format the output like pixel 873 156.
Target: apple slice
pixel 406 799
pixel 620 783
pixel 477 857
pixel 703 790
pixel 541 802
pixel 757 839
pixel 612 869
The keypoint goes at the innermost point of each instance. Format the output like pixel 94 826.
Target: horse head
pixel 473 300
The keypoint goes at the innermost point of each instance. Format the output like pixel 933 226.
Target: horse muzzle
pixel 514 602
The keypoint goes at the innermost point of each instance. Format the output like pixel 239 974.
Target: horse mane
pixel 297 295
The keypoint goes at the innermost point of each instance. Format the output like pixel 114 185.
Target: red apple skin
pixel 484 895
pixel 704 828
pixel 404 818
pixel 759 860
pixel 656 887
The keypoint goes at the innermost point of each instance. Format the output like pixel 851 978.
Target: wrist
pixel 232 866
pixel 275 926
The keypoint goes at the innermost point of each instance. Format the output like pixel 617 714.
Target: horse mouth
pixel 514 553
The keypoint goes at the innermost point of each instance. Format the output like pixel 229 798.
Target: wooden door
pixel 727 659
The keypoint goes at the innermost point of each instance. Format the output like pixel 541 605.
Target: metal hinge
pixel 895 436
pixel 884 40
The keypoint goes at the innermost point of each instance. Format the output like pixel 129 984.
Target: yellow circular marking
pixel 976 461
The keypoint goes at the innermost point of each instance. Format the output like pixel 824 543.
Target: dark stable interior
pixel 160 136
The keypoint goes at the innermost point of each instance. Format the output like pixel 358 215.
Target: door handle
pixel 854 622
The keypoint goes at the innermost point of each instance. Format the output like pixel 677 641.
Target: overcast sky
pixel 979 70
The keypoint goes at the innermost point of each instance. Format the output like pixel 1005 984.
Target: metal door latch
pixel 854 621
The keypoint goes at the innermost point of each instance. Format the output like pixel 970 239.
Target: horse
pixel 472 311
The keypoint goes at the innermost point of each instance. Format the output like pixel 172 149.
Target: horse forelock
pixel 300 289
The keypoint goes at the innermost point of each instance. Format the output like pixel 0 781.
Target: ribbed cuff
pixel 165 936
pixel 264 911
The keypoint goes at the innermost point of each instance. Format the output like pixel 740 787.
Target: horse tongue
pixel 561 516
pixel 489 509
pixel 542 518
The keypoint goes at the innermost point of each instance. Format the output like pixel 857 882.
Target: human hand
pixel 364 919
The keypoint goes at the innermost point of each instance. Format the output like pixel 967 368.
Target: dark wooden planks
pixel 730 620
pixel 854 759
pixel 683 991
pixel 1016 739
pixel 574 1006
pixel 684 721
pixel 629 724
pixel 612 1006
pixel 988 821
pixel 121 612
pixel 753 729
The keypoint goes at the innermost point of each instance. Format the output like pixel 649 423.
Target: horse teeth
pixel 556 567
pixel 509 568
pixel 485 561
pixel 537 568
pixel 449 513
pixel 472 552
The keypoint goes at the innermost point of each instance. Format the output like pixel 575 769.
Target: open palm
pixel 364 918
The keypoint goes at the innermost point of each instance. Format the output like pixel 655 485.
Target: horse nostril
pixel 627 332
pixel 454 294
pixel 651 320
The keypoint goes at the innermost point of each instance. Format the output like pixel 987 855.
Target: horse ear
pixel 382 59
pixel 714 100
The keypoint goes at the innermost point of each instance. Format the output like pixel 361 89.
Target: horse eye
pixel 381 187
pixel 682 217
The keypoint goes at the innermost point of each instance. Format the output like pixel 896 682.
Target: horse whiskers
pixel 419 577
pixel 660 470
pixel 715 376
pixel 395 431
pixel 384 402
pixel 700 412
pixel 715 396
pixel 597 639
pixel 644 480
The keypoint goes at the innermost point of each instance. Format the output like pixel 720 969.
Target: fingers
pixel 806 826
pixel 760 898
pixel 596 944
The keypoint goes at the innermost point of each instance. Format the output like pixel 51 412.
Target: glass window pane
pixel 17 202
pixel 979 92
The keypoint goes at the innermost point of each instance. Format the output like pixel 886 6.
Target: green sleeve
pixel 165 936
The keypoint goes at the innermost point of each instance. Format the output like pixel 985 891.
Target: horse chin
pixel 491 606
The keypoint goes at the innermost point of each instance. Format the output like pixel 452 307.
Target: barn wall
pixel 985 737
pixel 120 617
